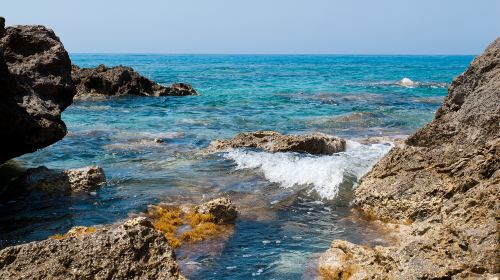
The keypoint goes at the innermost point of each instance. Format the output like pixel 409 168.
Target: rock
pixel 121 80
pixel 181 89
pixel 133 250
pixel 222 209
pixel 36 86
pixel 2 25
pixel 444 183
pixel 271 141
pixel 81 180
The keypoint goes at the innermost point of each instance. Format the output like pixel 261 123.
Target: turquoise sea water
pixel 292 206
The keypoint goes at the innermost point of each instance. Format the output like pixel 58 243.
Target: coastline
pixel 285 183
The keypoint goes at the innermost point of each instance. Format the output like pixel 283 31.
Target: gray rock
pixel 222 209
pixel 121 80
pixel 271 141
pixel 444 184
pixel 36 86
pixel 81 180
pixel 132 250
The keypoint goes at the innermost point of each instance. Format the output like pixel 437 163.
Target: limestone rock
pixel 222 209
pixel 133 250
pixel 271 141
pixel 121 80
pixel 81 180
pixel 36 86
pixel 444 182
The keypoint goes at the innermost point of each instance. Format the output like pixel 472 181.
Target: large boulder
pixel 121 80
pixel 271 141
pixel 132 250
pixel 444 184
pixel 35 87
pixel 80 180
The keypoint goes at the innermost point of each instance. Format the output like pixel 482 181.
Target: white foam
pixel 406 82
pixel 323 173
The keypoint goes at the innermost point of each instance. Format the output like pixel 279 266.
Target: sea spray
pixel 323 173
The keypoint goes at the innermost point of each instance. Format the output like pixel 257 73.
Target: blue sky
pixel 265 26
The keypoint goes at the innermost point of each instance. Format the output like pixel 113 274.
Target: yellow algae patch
pixel 74 232
pixel 197 226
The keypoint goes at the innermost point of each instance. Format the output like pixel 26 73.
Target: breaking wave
pixel 324 174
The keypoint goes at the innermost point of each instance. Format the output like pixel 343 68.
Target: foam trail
pixel 323 173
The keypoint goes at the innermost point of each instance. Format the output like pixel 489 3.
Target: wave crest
pixel 324 173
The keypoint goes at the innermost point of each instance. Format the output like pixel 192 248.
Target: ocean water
pixel 292 206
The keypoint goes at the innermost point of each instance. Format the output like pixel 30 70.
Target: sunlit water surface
pixel 292 206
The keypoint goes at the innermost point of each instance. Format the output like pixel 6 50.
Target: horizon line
pixel 277 54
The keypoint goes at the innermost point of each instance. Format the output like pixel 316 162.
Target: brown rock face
pixel 121 80
pixel 133 250
pixel 222 209
pixel 445 183
pixel 81 180
pixel 271 141
pixel 35 86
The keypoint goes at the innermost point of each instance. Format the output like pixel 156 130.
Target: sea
pixel 292 206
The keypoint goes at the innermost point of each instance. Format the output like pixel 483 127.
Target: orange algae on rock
pixel 197 226
pixel 74 232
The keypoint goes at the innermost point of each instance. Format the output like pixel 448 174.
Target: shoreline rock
pixel 121 80
pixel 444 184
pixel 36 86
pixel 273 142
pixel 70 181
pixel 131 250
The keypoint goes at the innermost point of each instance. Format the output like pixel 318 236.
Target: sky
pixel 265 26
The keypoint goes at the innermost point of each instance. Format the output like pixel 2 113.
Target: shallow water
pixel 292 205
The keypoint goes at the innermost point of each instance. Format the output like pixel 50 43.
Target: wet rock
pixel 443 183
pixel 81 180
pixel 222 209
pixel 36 86
pixel 121 80
pixel 271 141
pixel 132 250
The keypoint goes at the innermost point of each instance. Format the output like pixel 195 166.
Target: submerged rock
pixel 132 250
pixel 444 183
pixel 36 86
pixel 121 80
pixel 222 209
pixel 271 141
pixel 81 180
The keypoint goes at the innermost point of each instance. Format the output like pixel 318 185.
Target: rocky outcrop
pixel 81 180
pixel 271 141
pixel 36 86
pixel 121 80
pixel 222 209
pixel 132 250
pixel 444 184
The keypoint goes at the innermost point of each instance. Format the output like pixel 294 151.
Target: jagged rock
pixel 271 141
pixel 81 180
pixel 222 209
pixel 444 182
pixel 121 80
pixel 132 250
pixel 36 86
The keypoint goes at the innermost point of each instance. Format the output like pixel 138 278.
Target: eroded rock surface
pixel 444 182
pixel 132 250
pixel 36 86
pixel 81 180
pixel 121 80
pixel 271 141
pixel 222 209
